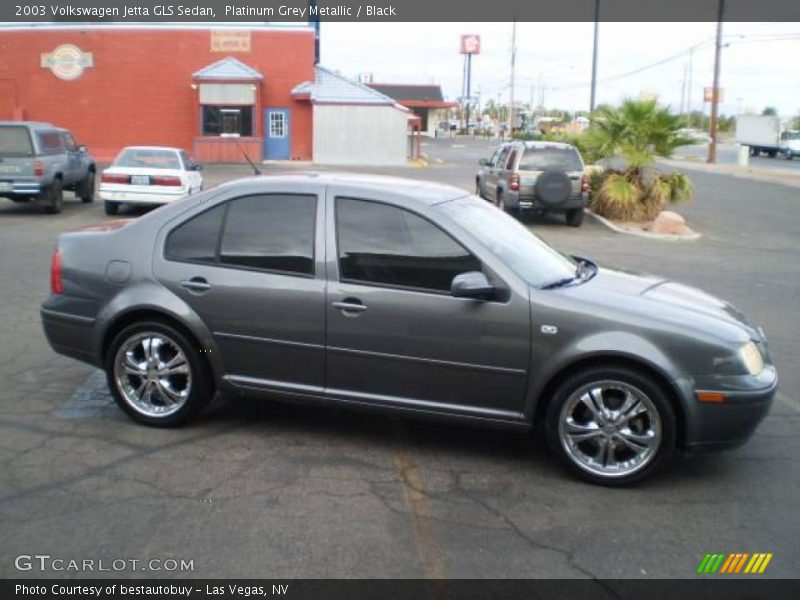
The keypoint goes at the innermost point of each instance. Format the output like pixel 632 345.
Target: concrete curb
pixel 775 176
pixel 645 234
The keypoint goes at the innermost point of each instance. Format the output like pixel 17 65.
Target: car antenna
pixel 256 170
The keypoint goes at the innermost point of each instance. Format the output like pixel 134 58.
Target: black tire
pixel 575 217
pixel 553 188
pixel 631 377
pixel 500 201
pixel 53 197
pixel 111 208
pixel 202 386
pixel 85 189
pixel 789 155
pixel 772 153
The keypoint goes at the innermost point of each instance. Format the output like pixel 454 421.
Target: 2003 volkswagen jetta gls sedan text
pixel 409 297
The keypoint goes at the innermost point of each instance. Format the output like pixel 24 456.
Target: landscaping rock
pixel 669 222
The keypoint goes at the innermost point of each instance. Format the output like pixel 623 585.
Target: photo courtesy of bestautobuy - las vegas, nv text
pixel 403 300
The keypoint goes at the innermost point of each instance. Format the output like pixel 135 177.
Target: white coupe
pixel 149 175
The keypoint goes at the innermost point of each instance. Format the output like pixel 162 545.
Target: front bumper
pixel 531 203
pixel 712 426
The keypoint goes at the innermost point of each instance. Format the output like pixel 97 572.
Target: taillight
pixel 168 180
pixel 55 273
pixel 115 178
pixel 585 183
pixel 515 182
pixel 38 168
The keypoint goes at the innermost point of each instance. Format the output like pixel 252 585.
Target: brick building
pixel 210 91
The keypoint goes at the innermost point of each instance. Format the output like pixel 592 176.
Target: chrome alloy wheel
pixel 610 428
pixel 152 374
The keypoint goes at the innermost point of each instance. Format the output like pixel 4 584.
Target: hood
pixel 663 300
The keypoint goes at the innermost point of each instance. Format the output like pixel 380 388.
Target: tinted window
pixel 388 245
pixel 273 232
pixel 149 158
pixel 510 161
pixel 228 120
pixel 501 159
pixel 69 141
pixel 196 240
pixel 15 141
pixel 51 142
pixel 550 158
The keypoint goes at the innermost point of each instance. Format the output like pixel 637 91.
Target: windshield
pixel 146 158
pixel 793 135
pixel 523 252
pixel 15 141
pixel 550 158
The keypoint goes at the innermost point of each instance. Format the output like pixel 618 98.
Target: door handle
pixel 350 306
pixel 196 284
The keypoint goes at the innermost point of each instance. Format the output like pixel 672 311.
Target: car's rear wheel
pixel 156 374
pixel 85 189
pixel 111 208
pixel 611 425
pixel 53 197
pixel 575 217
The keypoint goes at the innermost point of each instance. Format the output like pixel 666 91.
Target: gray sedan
pixel 408 297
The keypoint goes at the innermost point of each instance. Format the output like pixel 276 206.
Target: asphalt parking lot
pixel 256 489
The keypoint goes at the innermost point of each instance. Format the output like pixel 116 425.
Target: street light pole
pixel 714 125
pixel 594 55
pixel 513 70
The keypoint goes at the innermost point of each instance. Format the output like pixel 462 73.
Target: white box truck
pixel 766 133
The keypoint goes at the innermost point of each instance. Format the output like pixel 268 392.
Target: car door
pixel 488 178
pixel 497 171
pixel 252 270
pixel 395 334
pixel 72 170
pixel 192 172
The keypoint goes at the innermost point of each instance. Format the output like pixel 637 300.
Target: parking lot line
pixel 415 496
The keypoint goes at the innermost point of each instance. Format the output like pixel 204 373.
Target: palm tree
pixel 638 131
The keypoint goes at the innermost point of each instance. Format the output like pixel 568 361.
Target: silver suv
pixel 535 176
pixel 38 161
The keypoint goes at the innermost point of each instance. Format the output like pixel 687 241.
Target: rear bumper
pixel 138 197
pixel 730 424
pixel 19 187
pixel 530 203
pixel 70 335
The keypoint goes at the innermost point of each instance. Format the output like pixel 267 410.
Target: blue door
pixel 276 138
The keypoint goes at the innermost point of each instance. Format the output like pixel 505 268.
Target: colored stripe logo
pixel 734 563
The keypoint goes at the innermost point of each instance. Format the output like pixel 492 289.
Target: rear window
pixel 550 159
pixel 148 159
pixel 15 141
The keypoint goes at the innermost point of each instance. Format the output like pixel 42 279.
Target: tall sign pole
pixel 594 55
pixel 513 73
pixel 470 44
pixel 714 125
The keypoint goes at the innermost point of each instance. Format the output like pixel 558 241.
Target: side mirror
pixel 472 284
pixel 483 162
pixel 196 167
pixel 82 148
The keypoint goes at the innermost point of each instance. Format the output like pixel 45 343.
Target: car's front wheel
pixel 156 374
pixel 85 189
pixel 611 425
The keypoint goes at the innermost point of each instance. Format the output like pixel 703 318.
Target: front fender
pixel 549 362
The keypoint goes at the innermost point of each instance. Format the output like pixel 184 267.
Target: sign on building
pixel 67 61
pixel 230 40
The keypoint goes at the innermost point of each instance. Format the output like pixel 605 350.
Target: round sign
pixel 68 62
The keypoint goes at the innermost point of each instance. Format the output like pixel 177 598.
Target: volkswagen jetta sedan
pixel 409 297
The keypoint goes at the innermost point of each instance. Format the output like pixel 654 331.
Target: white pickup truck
pixel 766 133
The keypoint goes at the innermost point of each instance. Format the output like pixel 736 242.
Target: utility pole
pixel 513 69
pixel 594 55
pixel 469 86
pixel 714 125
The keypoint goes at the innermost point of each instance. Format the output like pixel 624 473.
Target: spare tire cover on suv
pixel 553 187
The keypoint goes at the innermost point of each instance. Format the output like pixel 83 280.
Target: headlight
pixel 751 358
